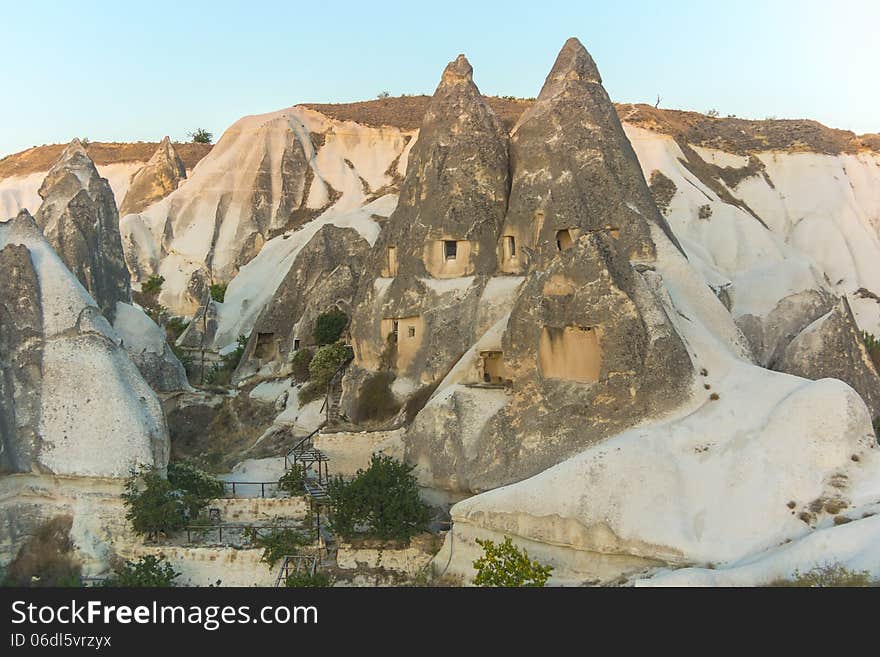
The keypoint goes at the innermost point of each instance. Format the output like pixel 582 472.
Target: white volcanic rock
pixel 712 482
pixel 156 180
pixel 89 411
pixel 267 174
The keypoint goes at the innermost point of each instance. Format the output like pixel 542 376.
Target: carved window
pixel 450 249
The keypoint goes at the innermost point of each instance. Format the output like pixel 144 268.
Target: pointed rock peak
pixel 458 71
pixel 166 141
pixel 574 63
pixel 23 225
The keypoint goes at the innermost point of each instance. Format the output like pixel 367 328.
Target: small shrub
pixel 300 365
pixel 383 94
pixel 153 285
pixel 200 136
pixel 280 543
pixel 220 373
pixel 375 401
pixel 174 328
pixel 329 327
pixel 712 113
pixel 148 571
pixel 157 505
pixel 704 212
pixel 872 345
pixel 507 565
pixel 308 580
pixel 291 481
pixel 828 575
pixel 382 501
pixel 322 367
pixel 218 292
pixel 45 558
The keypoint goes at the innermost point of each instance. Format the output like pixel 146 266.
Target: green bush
pixel 872 344
pixel 375 401
pixel 220 373
pixel 200 136
pixel 157 505
pixel 218 292
pixel 291 481
pixel 322 367
pixel 153 285
pixel 329 327
pixel 829 575
pixel 382 501
pixel 300 365
pixel 308 580
pixel 280 543
pixel 507 565
pixel 148 571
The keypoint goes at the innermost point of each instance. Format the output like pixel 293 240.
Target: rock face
pixel 149 350
pixel 324 276
pixel 437 249
pixel 156 180
pixel 80 221
pixel 832 347
pixel 531 369
pixel 71 401
pixel 574 171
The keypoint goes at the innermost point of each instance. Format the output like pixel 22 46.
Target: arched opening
pixel 563 239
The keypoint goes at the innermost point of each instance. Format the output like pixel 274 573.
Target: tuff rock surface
pixel 79 219
pixel 324 276
pixel 71 401
pixel 156 180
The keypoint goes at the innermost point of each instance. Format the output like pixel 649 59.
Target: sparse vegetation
pixel 829 575
pixel 329 327
pixel 383 94
pixel 704 212
pixel 220 373
pixel 280 543
pixel 153 285
pixel 507 565
pixel 291 481
pixel 299 365
pixel 308 580
pixel 156 505
pixel 200 136
pixel 148 571
pixel 872 344
pixel 218 291
pixel 381 502
pixel 46 557
pixel 375 401
pixel 712 113
pixel 322 368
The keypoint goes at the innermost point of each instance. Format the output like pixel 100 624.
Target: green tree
pixel 148 571
pixel 329 326
pixel 507 565
pixel 153 285
pixel 322 367
pixel 382 501
pixel 157 505
pixel 218 291
pixel 292 481
pixel 200 136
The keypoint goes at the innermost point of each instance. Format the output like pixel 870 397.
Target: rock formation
pixel 574 171
pixel 831 347
pixel 71 401
pixel 325 275
pixel 587 349
pixel 419 309
pixel 80 221
pixel 148 348
pixel 156 180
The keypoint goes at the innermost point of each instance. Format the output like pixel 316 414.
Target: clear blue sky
pixel 139 70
